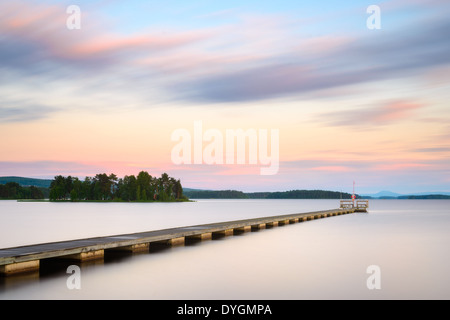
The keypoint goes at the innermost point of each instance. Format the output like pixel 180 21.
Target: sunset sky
pixel 350 103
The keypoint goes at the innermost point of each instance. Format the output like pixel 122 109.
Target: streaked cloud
pixel 349 62
pixel 258 61
pixel 432 150
pixel 47 169
pixel 397 54
pixel 385 113
pixel 41 29
pixel 29 112
pixel 51 168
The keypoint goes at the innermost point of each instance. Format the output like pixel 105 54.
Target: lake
pixel 406 241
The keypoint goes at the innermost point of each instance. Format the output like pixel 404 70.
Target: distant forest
pixel 293 194
pixel 14 191
pixel 427 196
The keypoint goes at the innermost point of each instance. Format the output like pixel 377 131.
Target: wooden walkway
pixel 26 258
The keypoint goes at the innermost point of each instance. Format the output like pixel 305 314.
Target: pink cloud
pixel 239 170
pixel 388 112
pixel 197 61
pixel 43 27
pixel 394 111
pixel 400 166
pixel 110 43
pixel 332 169
pixel 320 45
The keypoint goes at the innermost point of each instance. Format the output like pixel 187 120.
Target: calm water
pixel 321 259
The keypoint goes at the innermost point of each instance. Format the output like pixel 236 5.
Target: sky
pixel 348 102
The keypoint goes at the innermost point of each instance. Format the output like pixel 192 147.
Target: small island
pixel 103 187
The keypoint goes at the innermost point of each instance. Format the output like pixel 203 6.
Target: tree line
pixel 301 194
pixel 292 194
pixel 103 187
pixel 213 194
pixel 13 190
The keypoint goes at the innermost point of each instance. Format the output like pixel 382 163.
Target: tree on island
pixel 105 187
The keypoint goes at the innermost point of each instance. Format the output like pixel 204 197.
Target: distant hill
pixel 214 194
pixel 13 188
pixel 421 195
pixel 304 194
pixel 430 193
pixel 26 182
pixel 293 194
pixel 190 189
pixel 383 194
pixel 425 196
pixel 301 194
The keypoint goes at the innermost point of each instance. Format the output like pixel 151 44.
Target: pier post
pixel 222 233
pixel 141 247
pixel 177 241
pixel 162 244
pixel 272 224
pixel 241 230
pixel 283 222
pixel 200 237
pixel 85 256
pixel 19 267
pixel 260 226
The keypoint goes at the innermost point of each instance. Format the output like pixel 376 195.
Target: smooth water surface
pixel 322 259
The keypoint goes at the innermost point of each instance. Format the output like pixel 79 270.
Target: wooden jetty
pixel 23 259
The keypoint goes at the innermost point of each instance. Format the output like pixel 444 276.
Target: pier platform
pixel 360 205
